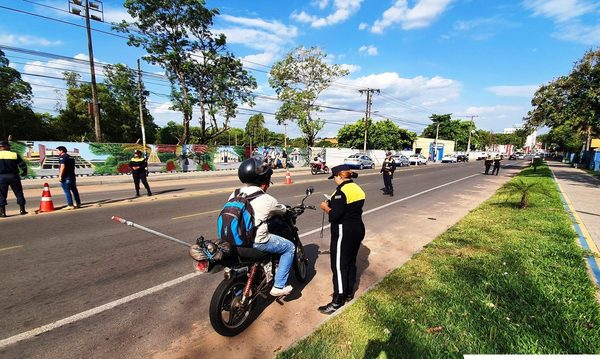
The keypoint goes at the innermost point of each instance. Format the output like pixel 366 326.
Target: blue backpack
pixel 235 223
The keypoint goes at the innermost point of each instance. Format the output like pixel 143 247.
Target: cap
pixel 388 153
pixel 337 169
pixel 4 144
pixel 138 152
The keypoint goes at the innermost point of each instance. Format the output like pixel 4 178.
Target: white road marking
pixel 88 313
pixel 9 248
pixel 197 214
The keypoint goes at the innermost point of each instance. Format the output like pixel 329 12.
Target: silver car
pixel 359 161
pixel 401 160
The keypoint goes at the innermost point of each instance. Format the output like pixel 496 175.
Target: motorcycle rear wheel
pixel 313 170
pixel 227 315
pixel 300 263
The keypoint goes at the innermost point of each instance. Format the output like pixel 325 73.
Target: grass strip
pixel 501 281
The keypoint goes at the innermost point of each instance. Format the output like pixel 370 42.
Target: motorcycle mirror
pixel 310 190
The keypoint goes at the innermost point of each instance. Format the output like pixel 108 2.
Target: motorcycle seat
pixel 250 253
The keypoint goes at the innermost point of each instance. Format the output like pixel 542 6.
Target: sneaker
pixel 68 208
pixel 279 292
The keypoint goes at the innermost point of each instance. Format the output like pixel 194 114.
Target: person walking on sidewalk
pixel 10 164
pixel 139 168
pixel 497 161
pixel 388 168
pixel 344 209
pixel 66 174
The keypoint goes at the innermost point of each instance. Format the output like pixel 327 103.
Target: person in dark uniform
pixel 497 161
pixel 66 174
pixel 488 163
pixel 10 164
pixel 388 168
pixel 347 232
pixel 139 166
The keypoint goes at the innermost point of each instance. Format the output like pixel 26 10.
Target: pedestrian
pixel 488 163
pixel 344 209
pixel 139 171
pixel 388 168
pixel 284 159
pixel 497 161
pixel 10 164
pixel 66 174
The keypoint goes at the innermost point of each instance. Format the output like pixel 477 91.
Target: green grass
pixel 501 281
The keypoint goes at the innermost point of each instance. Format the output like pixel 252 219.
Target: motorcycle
pixel 318 167
pixel 250 274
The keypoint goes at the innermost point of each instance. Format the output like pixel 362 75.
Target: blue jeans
pixel 285 248
pixel 69 185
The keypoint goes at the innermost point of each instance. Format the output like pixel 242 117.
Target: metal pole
pixel 95 108
pixel 135 225
pixel 141 106
pixel 437 131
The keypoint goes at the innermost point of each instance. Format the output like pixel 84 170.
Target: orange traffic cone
pixel 288 177
pixel 46 204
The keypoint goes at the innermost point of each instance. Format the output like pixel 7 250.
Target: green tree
pixel 298 80
pixel 383 135
pixel 451 130
pixel 170 134
pixel 122 86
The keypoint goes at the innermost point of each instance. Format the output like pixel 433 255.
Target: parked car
pixel 512 157
pixel 417 159
pixel 449 159
pixel 359 161
pixel 401 160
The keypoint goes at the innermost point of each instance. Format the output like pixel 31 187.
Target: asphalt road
pixel 79 265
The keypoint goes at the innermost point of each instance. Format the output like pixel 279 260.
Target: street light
pixel 76 7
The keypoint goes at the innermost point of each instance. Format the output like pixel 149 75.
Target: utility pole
pixel 435 146
pixel 284 135
pixel 369 93
pixel 98 8
pixel 470 132
pixel 141 105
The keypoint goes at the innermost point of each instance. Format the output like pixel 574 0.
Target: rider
pixel 257 177
pixel 319 161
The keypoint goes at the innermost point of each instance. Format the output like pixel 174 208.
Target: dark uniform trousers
pixel 140 176
pixel 345 243
pixel 387 181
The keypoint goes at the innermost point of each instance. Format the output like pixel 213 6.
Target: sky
pixel 475 59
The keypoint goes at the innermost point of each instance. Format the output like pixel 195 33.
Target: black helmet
pixel 253 171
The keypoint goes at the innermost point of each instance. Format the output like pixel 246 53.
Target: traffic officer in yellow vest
pixel 497 161
pixel 138 165
pixel 10 163
pixel 388 168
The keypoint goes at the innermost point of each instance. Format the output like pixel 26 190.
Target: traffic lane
pixel 124 254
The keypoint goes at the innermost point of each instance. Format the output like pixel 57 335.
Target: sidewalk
pixel 581 192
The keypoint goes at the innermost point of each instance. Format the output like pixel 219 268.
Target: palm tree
pixel 522 188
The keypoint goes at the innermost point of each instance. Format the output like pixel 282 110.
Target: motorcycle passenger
pixel 318 162
pixel 347 232
pixel 257 178
pixel 388 168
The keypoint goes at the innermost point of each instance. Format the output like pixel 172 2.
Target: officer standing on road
pixel 347 232
pixel 388 168
pixel 10 163
pixel 488 163
pixel 139 166
pixel 497 161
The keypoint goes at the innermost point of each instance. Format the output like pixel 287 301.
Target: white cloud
pixel 561 10
pixel 342 10
pixel 514 91
pixel 26 40
pixel 579 33
pixel 421 15
pixel 321 4
pixel 351 68
pixel 268 37
pixel 363 25
pixel 369 50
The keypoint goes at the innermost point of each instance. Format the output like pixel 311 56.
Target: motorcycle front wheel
pixel 326 169
pixel 300 263
pixel 228 316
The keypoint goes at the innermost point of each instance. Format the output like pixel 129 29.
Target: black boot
pixel 149 193
pixel 2 211
pixel 137 193
pixel 337 302
pixel 391 193
pixel 22 211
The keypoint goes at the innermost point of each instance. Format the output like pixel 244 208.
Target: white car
pixel 417 159
pixel 449 159
pixel 359 161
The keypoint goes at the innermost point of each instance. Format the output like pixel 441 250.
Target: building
pixel 425 146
